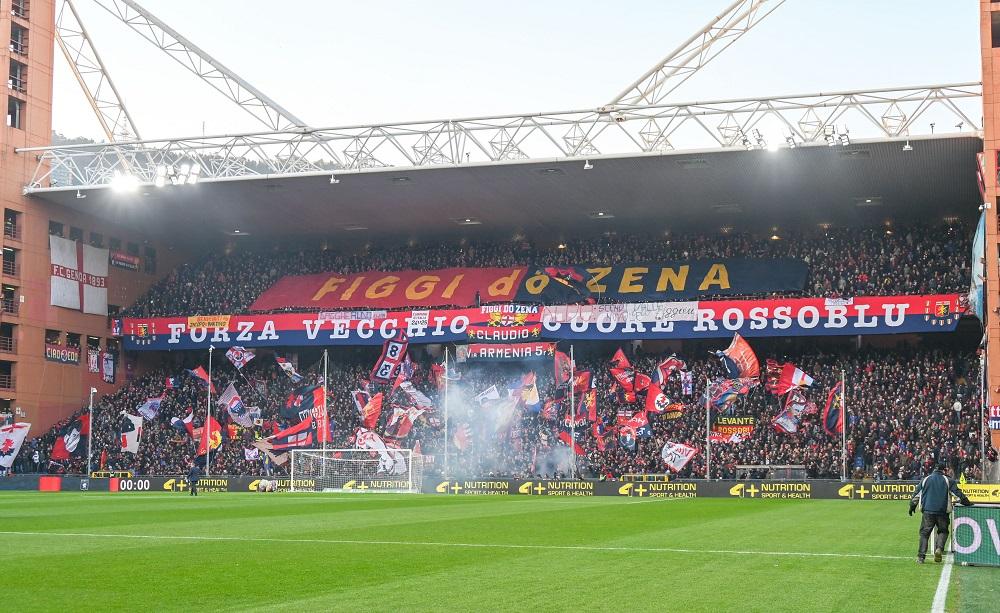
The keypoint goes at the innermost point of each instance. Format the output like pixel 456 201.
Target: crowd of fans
pixel 906 407
pixel 842 262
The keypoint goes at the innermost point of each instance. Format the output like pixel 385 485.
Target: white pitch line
pixel 941 594
pixel 806 554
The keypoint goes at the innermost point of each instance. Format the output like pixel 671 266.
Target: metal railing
pixel 7 382
pixel 12 231
pixel 11 269
pixel 19 8
pixel 819 119
pixel 18 84
pixel 9 306
pixel 18 47
pixel 8 344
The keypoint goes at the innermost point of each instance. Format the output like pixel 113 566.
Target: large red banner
pixel 393 290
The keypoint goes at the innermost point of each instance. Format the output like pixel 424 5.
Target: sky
pixel 338 63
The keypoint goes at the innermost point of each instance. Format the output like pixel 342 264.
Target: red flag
pixel 739 359
pixel 782 378
pixel 85 425
pixel 371 411
pixel 104 459
pixel 582 381
pixel 564 368
pixel 619 360
pixel 641 382
pixel 211 436
pixel 568 440
pixel 437 375
pixel 656 401
pixel 321 417
pixel 588 403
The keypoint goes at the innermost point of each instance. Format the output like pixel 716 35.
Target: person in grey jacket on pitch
pixel 934 496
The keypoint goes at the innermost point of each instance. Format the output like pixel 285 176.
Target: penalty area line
pixel 594 548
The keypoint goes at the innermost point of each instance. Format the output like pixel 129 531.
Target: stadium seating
pixel 842 262
pixel 906 406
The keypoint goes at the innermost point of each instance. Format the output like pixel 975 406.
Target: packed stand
pixel 906 407
pixel 842 262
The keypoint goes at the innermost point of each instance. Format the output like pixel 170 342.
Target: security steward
pixel 934 495
pixel 192 478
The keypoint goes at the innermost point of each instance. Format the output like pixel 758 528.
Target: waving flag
pixel 401 421
pixel 211 436
pixel 490 393
pixel 786 422
pixel 68 442
pixel 724 392
pixel 667 367
pixel 588 405
pixel 171 383
pixel 131 433
pixel 564 368
pixel 677 455
pixel 833 416
pixel 289 369
pixel 393 353
pixel 529 393
pixel 302 401
pixel 782 378
pixel 600 431
pixel 183 425
pixel 551 408
pixel 416 397
pixel 620 360
pixel 151 408
pixel 567 439
pixel 656 401
pixel 624 384
pixel 739 360
pixel 639 423
pixel 687 383
pixel 238 412
pixel 239 356
pixel 300 435
pixel 371 411
pixel 390 462
pixel 11 437
pixel 583 381
pixel 202 376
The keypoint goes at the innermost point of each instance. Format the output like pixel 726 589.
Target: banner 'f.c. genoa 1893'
pixel 655 320
pixel 462 286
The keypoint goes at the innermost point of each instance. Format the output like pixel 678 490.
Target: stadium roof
pixel 866 182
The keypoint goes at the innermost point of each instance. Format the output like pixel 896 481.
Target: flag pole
pixel 708 430
pixel 982 415
pixel 572 406
pixel 326 402
pixel 843 426
pixel 208 416
pixel 447 377
pixel 90 430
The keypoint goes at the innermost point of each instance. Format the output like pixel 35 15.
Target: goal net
pixel 356 470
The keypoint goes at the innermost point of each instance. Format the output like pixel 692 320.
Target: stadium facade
pixel 44 370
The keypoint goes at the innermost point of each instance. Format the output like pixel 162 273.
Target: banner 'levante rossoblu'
pixel 516 323
pixel 460 286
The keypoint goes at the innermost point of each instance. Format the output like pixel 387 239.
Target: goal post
pixel 356 470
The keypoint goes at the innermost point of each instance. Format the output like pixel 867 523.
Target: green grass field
pixel 386 552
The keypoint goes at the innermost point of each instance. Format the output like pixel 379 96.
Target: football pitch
pixel 396 552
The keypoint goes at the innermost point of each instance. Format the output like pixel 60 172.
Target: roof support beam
pixel 694 53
